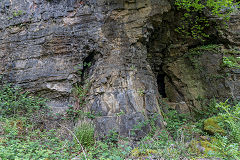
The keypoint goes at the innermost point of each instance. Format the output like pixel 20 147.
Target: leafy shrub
pixel 85 134
pixel 112 136
pixel 80 93
pixel 227 145
pixel 208 109
pixel 231 116
pixel 224 148
pixel 19 136
pixel 175 122
pixel 231 62
pixel 19 140
pixel 14 100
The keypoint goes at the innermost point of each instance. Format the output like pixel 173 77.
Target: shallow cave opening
pixel 161 84
pixel 88 62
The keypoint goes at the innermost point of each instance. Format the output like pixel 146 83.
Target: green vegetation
pixel 80 93
pixel 208 108
pixel 81 89
pixel 195 53
pixel 230 57
pixel 200 49
pixel 231 62
pixel 232 51
pixel 22 137
pixel 211 125
pixel 194 21
pixel 16 13
pixel 14 101
pixel 19 140
pixel 227 145
pixel 85 134
pixel 214 132
pixel 141 92
pixel 21 134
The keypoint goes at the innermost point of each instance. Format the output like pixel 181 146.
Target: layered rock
pixel 133 51
pixel 44 45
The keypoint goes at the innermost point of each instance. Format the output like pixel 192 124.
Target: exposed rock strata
pixel 132 48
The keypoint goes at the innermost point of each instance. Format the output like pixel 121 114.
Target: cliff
pixel 126 51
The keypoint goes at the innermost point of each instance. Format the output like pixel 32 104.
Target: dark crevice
pixel 161 84
pixel 88 62
pixel 157 51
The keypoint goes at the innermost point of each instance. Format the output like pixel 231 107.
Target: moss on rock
pixel 211 125
pixel 136 152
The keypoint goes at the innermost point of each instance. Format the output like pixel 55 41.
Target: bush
pixel 14 101
pixel 231 120
pixel 19 140
pixel 227 146
pixel 19 136
pixel 85 134
pixel 231 62
pixel 175 122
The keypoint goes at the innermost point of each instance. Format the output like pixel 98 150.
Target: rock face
pixel 126 50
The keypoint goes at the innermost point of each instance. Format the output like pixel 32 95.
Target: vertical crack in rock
pixel 161 84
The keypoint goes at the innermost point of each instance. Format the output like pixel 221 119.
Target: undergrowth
pixel 22 138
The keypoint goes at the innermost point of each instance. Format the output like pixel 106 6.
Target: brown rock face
pixel 126 50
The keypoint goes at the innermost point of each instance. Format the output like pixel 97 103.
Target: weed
pixel 90 115
pixel 232 51
pixel 102 150
pixel 210 47
pixel 80 94
pixel 16 13
pixel 175 122
pixel 85 134
pixel 208 109
pixel 79 68
pixel 161 146
pixel 141 92
pixel 133 67
pixel 151 122
pixel 73 114
pixel 120 113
